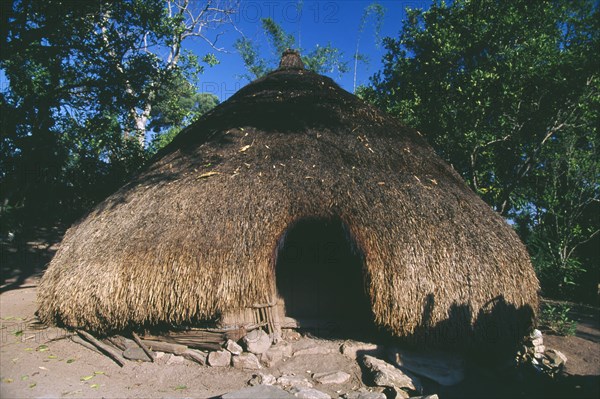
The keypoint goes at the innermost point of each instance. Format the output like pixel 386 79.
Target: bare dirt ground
pixel 44 364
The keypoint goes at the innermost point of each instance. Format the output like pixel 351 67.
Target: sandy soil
pixel 46 364
pixel 41 364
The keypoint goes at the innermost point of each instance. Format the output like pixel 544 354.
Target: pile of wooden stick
pixel 191 343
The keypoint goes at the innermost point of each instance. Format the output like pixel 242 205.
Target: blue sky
pixel 319 22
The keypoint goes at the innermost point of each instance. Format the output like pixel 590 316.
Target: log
pixel 161 346
pixel 77 339
pixel 196 356
pixel 118 342
pixel 144 347
pixel 104 348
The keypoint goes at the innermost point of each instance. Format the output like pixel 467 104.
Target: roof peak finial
pixel 290 59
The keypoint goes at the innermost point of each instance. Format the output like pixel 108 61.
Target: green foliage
pixel 557 319
pixel 507 93
pixel 377 11
pixel 322 59
pixel 255 65
pixel 202 103
pixel 87 84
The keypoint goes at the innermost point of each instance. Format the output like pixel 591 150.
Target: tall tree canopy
pixel 508 93
pixel 321 59
pixel 86 84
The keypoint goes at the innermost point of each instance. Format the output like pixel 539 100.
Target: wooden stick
pixel 84 343
pixel 107 350
pixel 175 349
pixel 196 356
pixel 144 347
pixel 117 341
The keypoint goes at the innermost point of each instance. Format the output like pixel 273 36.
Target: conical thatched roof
pixel 196 234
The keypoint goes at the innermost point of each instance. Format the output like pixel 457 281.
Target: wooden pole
pixel 107 350
pixel 144 347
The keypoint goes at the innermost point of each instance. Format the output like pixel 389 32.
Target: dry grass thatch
pixel 196 234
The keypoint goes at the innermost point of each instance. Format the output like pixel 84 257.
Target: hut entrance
pixel 320 278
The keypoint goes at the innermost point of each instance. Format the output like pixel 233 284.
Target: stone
pixel 259 392
pixel 262 379
pixel 286 348
pixel 444 368
pixel 257 341
pixel 540 349
pixel 308 393
pixel 355 349
pixel 365 395
pixel 536 334
pixel 219 358
pixel 135 353
pixel 331 377
pixel 196 356
pixel 556 357
pixel 386 375
pixel 291 335
pixel 272 356
pixel 434 396
pixel 233 347
pixel 159 355
pixel 174 359
pixel 537 342
pixel 246 361
pixel 397 393
pixel 315 350
pixel 289 380
pixel 309 347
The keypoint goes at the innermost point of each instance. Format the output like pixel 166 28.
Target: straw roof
pixel 196 234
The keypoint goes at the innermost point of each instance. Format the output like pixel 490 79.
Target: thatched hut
pixel 295 194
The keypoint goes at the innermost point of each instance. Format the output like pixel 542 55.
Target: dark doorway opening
pixel 320 276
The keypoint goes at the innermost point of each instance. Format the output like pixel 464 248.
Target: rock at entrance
pixel 311 348
pixel 332 377
pixel 397 393
pixel 291 335
pixel 262 379
pixel 309 393
pixel 286 348
pixel 272 356
pixel 233 347
pixel 355 349
pixel 386 375
pixel 135 353
pixel 257 342
pixel 259 392
pixel 288 380
pixel 444 368
pixel 247 361
pixel 219 359
pixel 365 395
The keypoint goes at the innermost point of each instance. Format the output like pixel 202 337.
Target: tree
pixel 85 85
pixel 566 213
pixel 201 103
pixel 377 11
pixel 507 92
pixel 322 59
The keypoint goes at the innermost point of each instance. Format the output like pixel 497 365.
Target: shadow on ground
pixel 27 257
